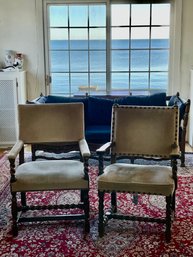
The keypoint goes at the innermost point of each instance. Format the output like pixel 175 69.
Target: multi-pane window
pixel 77 48
pixel 140 47
pixel 124 52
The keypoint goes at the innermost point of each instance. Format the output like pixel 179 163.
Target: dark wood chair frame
pixel 18 210
pixel 112 213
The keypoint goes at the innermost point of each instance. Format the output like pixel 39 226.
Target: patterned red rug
pixel 122 238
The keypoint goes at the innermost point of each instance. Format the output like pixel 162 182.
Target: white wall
pixel 187 47
pixel 19 32
pixel 19 25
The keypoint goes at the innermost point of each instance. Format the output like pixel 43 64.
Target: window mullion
pixel 130 49
pixel 108 48
pixel 69 54
pixel 149 68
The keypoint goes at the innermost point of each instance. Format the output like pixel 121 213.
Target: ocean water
pixel 129 68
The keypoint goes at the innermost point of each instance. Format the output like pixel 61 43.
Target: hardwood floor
pixel 189 149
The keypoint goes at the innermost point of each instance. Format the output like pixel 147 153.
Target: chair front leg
pixel 101 214
pixel 168 218
pixel 85 197
pixel 173 205
pixel 14 213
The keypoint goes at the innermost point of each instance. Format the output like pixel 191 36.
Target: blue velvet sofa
pixel 98 113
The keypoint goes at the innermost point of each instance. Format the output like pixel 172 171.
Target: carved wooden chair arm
pixel 84 149
pixel 15 150
pixel 103 149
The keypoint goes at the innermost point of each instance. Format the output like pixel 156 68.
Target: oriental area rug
pixel 121 239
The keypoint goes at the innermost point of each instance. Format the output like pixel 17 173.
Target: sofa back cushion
pixel 158 99
pixel 64 99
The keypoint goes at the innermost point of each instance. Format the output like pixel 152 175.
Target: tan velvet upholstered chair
pixel 140 132
pixel 50 123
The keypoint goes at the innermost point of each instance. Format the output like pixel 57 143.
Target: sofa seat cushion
pixel 48 175
pixel 98 134
pixel 148 179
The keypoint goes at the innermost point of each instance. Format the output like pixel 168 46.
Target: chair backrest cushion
pixel 51 122
pixel 144 131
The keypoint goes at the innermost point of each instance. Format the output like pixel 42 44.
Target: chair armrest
pixel 15 150
pixel 84 149
pixel 104 148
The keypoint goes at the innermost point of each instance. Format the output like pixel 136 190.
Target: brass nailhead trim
pixel 148 107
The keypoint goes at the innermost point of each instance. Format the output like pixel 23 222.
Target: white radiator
pixel 8 112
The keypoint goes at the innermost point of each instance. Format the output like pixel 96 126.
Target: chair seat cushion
pixel 50 175
pixel 147 179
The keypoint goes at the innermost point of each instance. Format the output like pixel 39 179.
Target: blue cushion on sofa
pixel 99 111
pixel 64 99
pixel 176 100
pixel 132 100
pixel 158 99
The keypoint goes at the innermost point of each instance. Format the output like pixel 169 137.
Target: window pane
pixel 120 14
pixel 98 80
pixel 120 60
pixel 140 14
pixel 59 61
pixel 59 34
pixel 159 60
pixel 60 83
pixel 78 16
pixel 140 37
pixel 78 80
pixel 139 81
pixel 58 16
pixel 97 38
pixel 160 14
pixel 139 60
pixel 79 60
pixel 97 15
pixel 159 80
pixel 78 39
pixel 97 60
pixel 58 39
pixel 159 43
pixel 160 37
pixel 120 38
pixel 58 44
pixel 120 81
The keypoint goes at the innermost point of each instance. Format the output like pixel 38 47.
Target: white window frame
pixel 174 80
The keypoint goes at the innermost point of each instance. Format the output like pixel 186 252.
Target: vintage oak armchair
pixel 50 123
pixel 140 132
